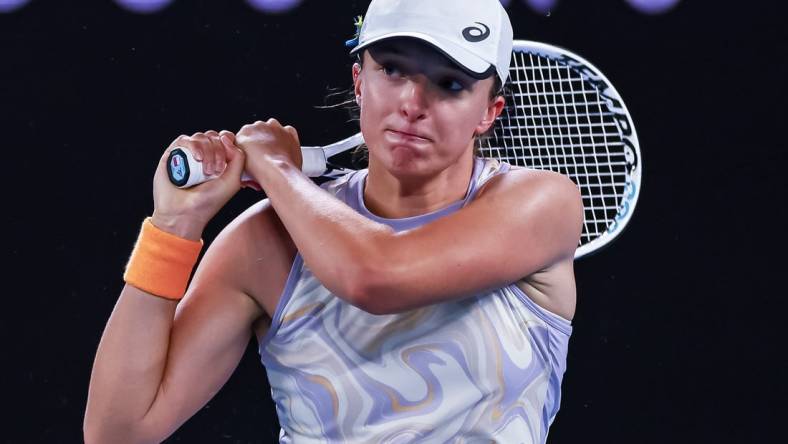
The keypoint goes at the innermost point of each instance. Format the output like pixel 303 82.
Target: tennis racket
pixel 562 114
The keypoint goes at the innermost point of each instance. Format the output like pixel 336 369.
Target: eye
pixel 452 84
pixel 391 70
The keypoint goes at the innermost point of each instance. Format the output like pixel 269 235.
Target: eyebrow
pixel 386 47
pixel 448 66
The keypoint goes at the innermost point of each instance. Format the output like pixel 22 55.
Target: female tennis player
pixel 427 298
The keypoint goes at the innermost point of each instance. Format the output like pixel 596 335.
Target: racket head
pixel 563 114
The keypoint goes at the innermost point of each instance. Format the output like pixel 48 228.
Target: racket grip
pixel 313 161
pixel 185 171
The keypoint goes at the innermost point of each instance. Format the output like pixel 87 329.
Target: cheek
pixel 367 115
pixel 458 125
pixel 372 108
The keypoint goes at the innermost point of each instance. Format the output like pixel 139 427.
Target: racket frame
pixel 622 117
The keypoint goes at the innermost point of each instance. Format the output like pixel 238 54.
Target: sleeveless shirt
pixel 486 368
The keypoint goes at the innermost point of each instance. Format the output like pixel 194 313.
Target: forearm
pixel 129 365
pixel 338 244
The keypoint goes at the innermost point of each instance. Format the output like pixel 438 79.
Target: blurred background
pixel 678 335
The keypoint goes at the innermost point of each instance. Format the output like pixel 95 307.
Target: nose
pixel 413 101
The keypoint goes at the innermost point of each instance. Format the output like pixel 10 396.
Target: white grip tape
pixel 185 171
pixel 313 161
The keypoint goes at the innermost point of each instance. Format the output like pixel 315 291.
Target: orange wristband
pixel 161 263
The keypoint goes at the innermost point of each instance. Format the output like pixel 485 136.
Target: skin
pixel 159 362
pixel 421 154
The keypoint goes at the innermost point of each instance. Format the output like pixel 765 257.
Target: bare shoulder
pixel 538 193
pixel 530 182
pixel 256 252
pixel 549 206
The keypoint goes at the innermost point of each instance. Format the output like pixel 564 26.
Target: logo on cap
pixel 474 34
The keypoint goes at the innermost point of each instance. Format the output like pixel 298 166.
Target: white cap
pixel 475 34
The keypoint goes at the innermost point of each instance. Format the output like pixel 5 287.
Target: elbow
pixel 373 306
pixel 97 431
pixel 89 433
pixel 365 288
pixel 93 432
pixel 371 276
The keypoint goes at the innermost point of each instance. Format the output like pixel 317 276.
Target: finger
pixel 195 144
pixel 179 141
pixel 182 141
pixel 235 167
pixel 293 133
pixel 201 147
pixel 197 152
pixel 219 156
pixel 227 134
pixel 227 140
pixel 212 152
pixel 273 121
pixel 229 146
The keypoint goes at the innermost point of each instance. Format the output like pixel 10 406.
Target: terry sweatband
pixel 161 263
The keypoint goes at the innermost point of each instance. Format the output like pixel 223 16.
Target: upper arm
pixel 522 222
pixel 213 323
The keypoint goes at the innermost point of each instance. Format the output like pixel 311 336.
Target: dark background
pixel 678 335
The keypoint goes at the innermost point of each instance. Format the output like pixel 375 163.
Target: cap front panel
pixel 468 31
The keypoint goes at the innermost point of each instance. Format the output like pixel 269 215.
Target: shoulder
pixel 543 214
pixel 534 186
pixel 545 201
pixel 255 252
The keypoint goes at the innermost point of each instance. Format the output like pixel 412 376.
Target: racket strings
pixel 557 120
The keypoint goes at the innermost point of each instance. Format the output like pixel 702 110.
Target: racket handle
pixel 185 171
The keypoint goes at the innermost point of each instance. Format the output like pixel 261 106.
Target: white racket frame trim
pixel 623 119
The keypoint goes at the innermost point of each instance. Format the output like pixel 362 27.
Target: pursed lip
pixel 409 134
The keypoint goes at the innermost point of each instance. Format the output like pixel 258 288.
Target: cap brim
pixel 469 62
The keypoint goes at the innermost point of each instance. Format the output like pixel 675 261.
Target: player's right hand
pixel 186 212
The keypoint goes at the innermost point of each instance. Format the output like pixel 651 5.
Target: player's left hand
pixel 269 140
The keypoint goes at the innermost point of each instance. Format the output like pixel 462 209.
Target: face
pixel 419 111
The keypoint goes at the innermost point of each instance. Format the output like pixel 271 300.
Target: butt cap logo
pixel 177 167
pixel 474 34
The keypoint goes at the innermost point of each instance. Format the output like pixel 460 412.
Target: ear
pixel 357 81
pixel 491 113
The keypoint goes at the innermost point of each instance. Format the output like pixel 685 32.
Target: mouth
pixel 407 136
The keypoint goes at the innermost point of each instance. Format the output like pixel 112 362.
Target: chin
pixel 402 160
pixel 404 156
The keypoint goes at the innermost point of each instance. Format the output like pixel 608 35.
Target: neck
pixel 394 197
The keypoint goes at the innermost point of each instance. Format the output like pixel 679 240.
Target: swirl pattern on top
pixel 488 367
